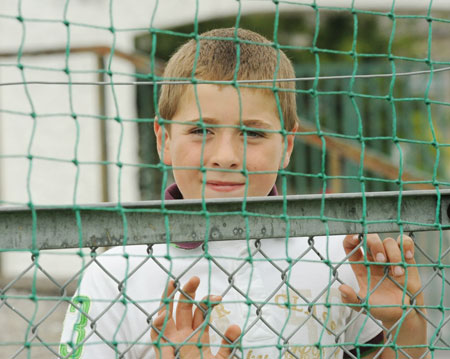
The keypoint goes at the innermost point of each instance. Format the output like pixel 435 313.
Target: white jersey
pixel 287 302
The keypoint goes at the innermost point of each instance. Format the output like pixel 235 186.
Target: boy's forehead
pixel 210 100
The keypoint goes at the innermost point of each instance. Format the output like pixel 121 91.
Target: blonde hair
pixel 216 61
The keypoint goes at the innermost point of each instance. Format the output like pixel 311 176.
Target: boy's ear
pixel 290 139
pixel 162 142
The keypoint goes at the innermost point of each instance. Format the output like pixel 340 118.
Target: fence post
pixel 103 129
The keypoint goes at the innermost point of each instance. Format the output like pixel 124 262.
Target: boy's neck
pixel 173 192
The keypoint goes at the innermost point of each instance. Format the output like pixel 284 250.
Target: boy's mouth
pixel 224 186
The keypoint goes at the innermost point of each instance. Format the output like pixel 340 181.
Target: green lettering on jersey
pixel 79 327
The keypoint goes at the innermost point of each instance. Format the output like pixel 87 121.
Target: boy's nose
pixel 226 153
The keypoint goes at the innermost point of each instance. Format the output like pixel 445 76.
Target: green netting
pixel 371 85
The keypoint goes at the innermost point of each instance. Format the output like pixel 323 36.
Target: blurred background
pixel 66 144
pixel 114 123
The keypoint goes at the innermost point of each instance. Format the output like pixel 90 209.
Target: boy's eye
pixel 199 131
pixel 254 134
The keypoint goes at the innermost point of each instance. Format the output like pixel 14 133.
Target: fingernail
pixel 409 255
pixel 398 271
pixel 380 257
pixel 344 295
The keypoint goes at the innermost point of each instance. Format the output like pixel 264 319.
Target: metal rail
pixel 224 219
pixel 141 62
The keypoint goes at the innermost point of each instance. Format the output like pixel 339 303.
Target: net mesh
pixel 373 116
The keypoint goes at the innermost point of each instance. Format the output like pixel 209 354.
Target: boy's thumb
pixel 349 296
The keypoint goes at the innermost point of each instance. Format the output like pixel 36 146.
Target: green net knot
pixel 208 256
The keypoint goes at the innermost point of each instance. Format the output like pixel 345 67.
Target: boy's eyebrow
pixel 254 123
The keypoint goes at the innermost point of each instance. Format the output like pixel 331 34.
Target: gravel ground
pixel 16 314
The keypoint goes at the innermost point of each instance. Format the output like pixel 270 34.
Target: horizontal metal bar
pixel 190 82
pixel 225 219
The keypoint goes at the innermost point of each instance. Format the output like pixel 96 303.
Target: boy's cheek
pixel 186 154
pixel 261 184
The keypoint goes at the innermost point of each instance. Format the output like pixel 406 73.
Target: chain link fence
pixel 299 322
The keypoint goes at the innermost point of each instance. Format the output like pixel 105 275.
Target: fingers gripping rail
pixel 146 222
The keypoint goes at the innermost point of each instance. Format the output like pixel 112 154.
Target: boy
pixel 276 298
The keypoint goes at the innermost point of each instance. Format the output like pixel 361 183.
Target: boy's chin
pixel 223 195
pixel 210 194
pixel 225 191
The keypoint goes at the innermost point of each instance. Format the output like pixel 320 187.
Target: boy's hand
pixel 386 298
pixel 179 330
pixel 387 292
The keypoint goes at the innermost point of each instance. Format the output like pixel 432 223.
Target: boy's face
pixel 224 152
